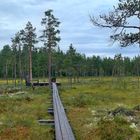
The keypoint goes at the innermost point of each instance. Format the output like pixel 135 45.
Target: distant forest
pixel 70 63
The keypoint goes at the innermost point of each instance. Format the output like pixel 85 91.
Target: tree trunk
pixel 30 64
pixel 15 75
pixel 6 73
pixel 49 65
pixel 20 70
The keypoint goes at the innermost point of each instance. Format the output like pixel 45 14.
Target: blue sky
pixel 75 26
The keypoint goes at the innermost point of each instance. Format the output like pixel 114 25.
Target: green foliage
pixel 28 35
pixel 70 63
pixel 50 32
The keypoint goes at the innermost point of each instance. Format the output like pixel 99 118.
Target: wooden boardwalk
pixel 63 129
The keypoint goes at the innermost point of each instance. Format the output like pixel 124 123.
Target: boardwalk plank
pixel 63 129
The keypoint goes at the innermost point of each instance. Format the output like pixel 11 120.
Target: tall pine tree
pixel 29 40
pixel 50 37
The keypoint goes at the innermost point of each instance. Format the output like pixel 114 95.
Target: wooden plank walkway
pixel 63 129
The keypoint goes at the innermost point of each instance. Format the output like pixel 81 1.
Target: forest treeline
pixel 69 63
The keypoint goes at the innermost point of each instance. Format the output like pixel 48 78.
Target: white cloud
pixel 75 26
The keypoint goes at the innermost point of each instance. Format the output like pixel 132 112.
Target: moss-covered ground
pixel 19 115
pixel 88 104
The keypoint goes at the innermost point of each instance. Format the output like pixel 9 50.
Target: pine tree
pixel 50 37
pixel 29 40
pixel 125 31
pixel 16 45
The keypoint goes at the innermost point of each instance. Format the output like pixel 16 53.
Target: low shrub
pixel 81 100
pixel 117 129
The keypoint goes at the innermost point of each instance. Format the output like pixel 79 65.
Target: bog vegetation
pixel 103 109
pixel 101 94
pixel 99 108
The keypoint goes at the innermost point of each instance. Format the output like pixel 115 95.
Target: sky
pixel 76 27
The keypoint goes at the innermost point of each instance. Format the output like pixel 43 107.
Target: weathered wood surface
pixel 63 129
pixel 40 84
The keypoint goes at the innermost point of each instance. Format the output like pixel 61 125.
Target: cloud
pixel 75 25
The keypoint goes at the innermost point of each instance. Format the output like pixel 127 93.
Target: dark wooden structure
pixel 37 83
pixel 63 129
